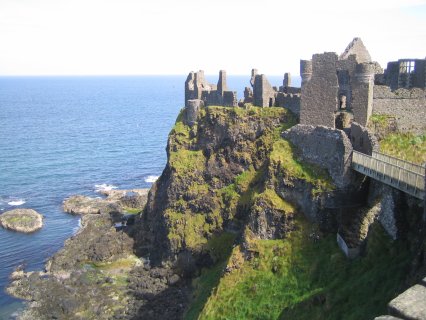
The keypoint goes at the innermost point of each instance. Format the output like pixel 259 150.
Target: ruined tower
pixel 362 92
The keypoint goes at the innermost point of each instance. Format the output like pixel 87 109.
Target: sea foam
pixel 19 202
pixel 104 187
pixel 151 179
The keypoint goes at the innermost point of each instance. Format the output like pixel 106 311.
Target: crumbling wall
pixel 362 139
pixel 319 94
pixel 356 48
pixel 362 93
pixel 407 106
pixel 197 88
pixel 230 99
pixel 346 75
pixel 289 101
pixel 406 73
pixel 328 148
pixel 263 93
pixel 192 111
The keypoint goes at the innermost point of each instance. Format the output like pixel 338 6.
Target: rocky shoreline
pixel 96 275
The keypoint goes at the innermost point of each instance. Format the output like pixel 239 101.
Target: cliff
pixel 242 223
pixel 221 175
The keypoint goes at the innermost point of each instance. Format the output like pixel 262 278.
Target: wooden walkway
pixel 402 175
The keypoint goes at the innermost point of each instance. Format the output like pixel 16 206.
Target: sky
pixel 137 37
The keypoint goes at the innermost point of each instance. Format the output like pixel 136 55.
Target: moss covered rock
pixel 21 220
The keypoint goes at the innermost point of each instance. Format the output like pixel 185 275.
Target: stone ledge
pixel 411 304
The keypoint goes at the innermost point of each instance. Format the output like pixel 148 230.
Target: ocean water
pixel 61 136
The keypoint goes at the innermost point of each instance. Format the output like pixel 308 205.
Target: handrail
pixel 404 179
pixel 388 158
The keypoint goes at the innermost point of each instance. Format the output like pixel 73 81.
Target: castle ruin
pixel 336 90
pixel 197 88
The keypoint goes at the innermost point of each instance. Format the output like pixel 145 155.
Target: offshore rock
pixel 85 205
pixel 21 220
pixel 134 198
pixel 116 202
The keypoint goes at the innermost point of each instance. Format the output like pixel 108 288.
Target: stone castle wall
pixel 362 139
pixel 289 101
pixel 319 94
pixel 326 147
pixel 407 106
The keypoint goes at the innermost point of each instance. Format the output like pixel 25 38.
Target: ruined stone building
pixel 339 90
pixel 405 73
pixel 197 88
pixel 199 92
pixel 336 90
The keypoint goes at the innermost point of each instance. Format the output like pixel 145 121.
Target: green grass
pixel 405 146
pixel 191 230
pixel 129 210
pixel 381 120
pixel 275 201
pixel 298 278
pixel 220 248
pixel 283 153
pixel 181 132
pixel 20 220
pixel 119 264
pixel 187 162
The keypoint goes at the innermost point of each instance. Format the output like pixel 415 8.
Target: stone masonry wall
pixel 328 148
pixel 263 93
pixel 363 140
pixel 319 94
pixel 362 93
pixel 289 101
pixel 407 106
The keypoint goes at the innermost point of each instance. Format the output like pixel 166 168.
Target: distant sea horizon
pixel 66 135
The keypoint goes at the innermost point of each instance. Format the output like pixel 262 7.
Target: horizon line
pixel 128 75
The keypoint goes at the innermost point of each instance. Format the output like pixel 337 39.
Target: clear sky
pixel 125 37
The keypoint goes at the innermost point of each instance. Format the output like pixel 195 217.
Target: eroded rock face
pixel 189 203
pixel 326 147
pixel 21 220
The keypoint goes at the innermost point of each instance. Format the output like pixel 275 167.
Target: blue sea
pixel 61 136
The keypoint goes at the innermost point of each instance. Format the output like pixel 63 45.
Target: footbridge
pixel 402 175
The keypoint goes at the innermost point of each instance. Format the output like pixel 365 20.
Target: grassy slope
pixel 296 278
pixel 405 146
pixel 309 280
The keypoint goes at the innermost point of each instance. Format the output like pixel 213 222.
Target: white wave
pixel 75 229
pixel 151 179
pixel 104 187
pixel 19 202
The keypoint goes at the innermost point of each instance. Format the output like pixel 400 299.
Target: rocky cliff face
pixel 229 170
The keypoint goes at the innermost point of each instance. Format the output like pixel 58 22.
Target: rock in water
pixel 21 220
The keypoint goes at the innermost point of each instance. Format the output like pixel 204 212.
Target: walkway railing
pixel 400 174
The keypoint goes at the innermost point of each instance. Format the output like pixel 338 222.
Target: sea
pixel 61 136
